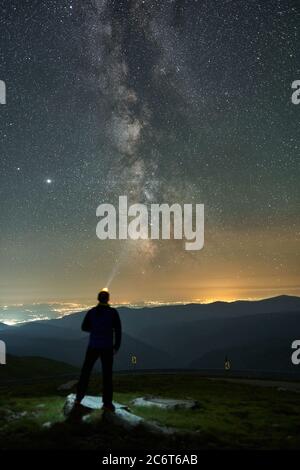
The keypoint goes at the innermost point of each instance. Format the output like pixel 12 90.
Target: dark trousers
pixel 106 356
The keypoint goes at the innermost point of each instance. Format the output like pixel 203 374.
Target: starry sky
pixel 163 101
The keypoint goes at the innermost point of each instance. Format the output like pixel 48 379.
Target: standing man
pixel 104 325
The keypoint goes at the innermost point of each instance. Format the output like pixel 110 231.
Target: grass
pixel 230 416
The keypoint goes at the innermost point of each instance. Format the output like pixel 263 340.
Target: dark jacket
pixel 104 325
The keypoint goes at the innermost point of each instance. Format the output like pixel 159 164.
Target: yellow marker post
pixel 133 359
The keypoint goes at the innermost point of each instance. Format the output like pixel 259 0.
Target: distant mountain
pixel 69 346
pixel 45 328
pixel 193 339
pixel 3 326
pixel 139 321
pixel 135 320
pixel 70 351
pixel 170 336
pixel 273 355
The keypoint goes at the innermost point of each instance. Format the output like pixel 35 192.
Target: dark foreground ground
pixel 231 415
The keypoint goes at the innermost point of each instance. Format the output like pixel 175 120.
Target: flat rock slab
pixel 121 417
pixel 89 403
pixel 165 403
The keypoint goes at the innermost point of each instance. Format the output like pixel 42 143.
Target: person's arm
pixel 86 324
pixel 118 330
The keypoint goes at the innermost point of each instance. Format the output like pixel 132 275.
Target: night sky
pixel 163 101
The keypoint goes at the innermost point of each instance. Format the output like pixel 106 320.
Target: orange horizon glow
pixel 64 307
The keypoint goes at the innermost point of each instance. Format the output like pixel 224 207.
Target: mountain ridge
pixel 168 336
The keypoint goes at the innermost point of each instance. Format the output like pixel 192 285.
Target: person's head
pixel 103 297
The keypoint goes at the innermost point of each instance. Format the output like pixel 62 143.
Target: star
pixel 49 181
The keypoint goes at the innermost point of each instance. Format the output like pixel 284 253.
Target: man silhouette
pixel 104 325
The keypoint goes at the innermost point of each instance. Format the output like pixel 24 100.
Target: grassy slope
pixel 18 368
pixel 230 416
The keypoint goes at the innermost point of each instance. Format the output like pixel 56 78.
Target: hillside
pixel 182 336
pixel 19 368
pixel 193 339
pixel 273 355
pixel 137 320
pixel 71 348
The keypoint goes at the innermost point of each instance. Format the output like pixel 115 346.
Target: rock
pixel 69 404
pixel 47 425
pixel 130 421
pixel 166 403
pixel 121 417
pixel 89 403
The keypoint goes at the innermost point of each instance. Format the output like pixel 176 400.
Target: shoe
pixel 109 407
